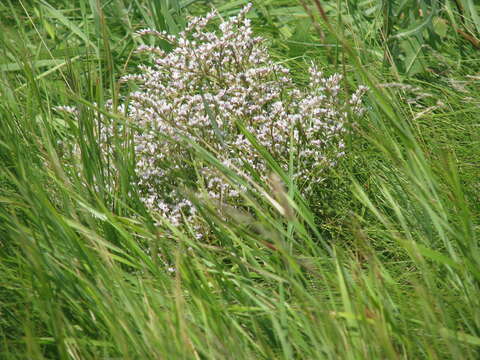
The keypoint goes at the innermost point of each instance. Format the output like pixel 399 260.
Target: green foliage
pixel 382 262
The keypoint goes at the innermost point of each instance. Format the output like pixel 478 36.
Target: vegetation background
pixel 383 262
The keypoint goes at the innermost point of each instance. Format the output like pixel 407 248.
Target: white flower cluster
pixel 203 88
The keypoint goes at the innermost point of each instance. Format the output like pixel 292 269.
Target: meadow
pixel 300 181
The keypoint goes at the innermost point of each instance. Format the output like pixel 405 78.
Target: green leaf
pixel 440 26
pixel 69 24
pixel 415 28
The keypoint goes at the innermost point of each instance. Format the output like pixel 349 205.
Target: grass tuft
pixel 381 260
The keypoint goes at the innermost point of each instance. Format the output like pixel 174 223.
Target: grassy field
pixel 377 257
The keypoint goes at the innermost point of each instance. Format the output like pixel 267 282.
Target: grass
pixel 382 261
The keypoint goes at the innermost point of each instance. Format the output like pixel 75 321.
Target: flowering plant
pixel 208 84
